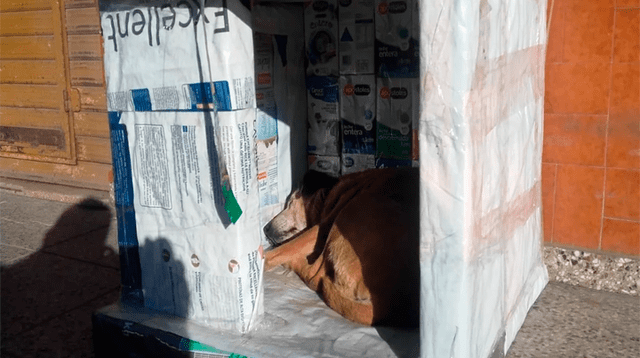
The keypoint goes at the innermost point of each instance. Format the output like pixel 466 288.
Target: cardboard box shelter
pixel 481 90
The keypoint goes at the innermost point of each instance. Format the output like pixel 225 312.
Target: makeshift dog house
pixel 189 200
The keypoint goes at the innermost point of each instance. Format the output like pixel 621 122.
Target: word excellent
pixel 165 16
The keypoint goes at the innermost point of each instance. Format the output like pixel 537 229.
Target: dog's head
pixel 302 208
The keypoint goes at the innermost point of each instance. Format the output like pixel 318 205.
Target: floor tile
pixel 78 220
pixel 43 286
pixel 68 335
pixel 9 254
pixel 26 209
pixel 99 246
pixel 569 321
pixel 34 223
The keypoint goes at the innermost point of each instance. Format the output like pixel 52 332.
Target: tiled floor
pixel 59 264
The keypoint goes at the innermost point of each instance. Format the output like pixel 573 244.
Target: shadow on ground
pixel 48 296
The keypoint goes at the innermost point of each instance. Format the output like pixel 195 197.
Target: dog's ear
pixel 314 181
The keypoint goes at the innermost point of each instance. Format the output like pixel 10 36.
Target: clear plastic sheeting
pixel 482 85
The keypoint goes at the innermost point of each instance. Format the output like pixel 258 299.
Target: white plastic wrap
pixel 185 179
pixel 193 265
pixel 482 76
pixel 201 66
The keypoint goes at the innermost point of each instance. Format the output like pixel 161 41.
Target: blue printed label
pixel 141 99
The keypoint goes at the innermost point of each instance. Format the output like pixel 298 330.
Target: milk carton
pixel 357 37
pixel 321 37
pixel 358 113
pixel 325 164
pixel 395 113
pixel 396 39
pixel 352 163
pixel 267 147
pixel 324 126
pixel 263 60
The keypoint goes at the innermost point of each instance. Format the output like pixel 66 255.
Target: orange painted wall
pixel 591 152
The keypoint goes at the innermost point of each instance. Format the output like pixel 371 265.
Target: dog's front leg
pixel 294 256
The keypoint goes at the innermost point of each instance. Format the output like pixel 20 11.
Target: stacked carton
pixel 397 71
pixel 181 96
pixel 370 50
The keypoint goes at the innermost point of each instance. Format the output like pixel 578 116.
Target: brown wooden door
pixel 36 98
pixel 53 122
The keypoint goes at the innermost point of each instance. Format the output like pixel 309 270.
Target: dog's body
pixel 355 242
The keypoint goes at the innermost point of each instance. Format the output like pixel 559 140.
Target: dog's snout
pixel 267 229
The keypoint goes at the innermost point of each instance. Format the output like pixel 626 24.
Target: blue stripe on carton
pixel 203 96
pixel 131 275
pixel 392 62
pixel 223 96
pixel 356 139
pixel 200 96
pixel 324 88
pixel 141 99
pixel 266 120
pixel 121 159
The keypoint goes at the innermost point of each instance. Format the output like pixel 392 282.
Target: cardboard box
pixel 395 117
pixel 324 126
pixel 195 261
pixel 357 37
pixel 321 37
pixel 352 163
pixel 325 164
pixel 397 53
pixel 358 113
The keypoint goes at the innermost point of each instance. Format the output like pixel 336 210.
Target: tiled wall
pixel 591 153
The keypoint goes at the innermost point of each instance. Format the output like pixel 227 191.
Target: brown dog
pixel 354 240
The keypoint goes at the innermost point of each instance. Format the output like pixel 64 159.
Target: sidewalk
pixel 60 264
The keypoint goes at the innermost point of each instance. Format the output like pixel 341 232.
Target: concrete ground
pixel 60 264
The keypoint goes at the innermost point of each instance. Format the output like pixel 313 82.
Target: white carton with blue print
pixel 357 37
pixel 324 125
pixel 325 164
pixel 352 163
pixel 210 63
pixel 396 46
pixel 395 118
pixel 358 113
pixel 267 147
pixel 321 37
